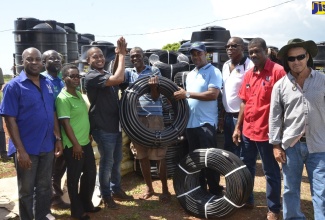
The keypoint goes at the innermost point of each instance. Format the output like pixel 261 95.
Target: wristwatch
pixel 58 139
pixel 188 95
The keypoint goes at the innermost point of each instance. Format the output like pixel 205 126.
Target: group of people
pixel 277 112
pixel 269 109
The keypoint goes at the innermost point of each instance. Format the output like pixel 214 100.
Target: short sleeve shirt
pixel 33 108
pixel 146 105
pixel 74 108
pixel 104 101
pixel 256 93
pixel 58 84
pixel 201 80
pixel 232 82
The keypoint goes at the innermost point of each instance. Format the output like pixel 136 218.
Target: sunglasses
pixel 75 76
pixel 299 57
pixel 232 46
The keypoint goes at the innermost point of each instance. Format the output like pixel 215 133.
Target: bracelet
pixel 58 139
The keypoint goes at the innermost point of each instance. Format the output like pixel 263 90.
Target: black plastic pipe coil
pixel 137 132
pixel 200 203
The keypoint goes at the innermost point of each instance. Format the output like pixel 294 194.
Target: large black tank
pixel 319 59
pixel 72 43
pixel 43 35
pixel 215 38
pixel 84 39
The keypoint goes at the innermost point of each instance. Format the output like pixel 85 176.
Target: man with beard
pixel 252 124
pixel 233 73
pixel 52 62
pixel 102 91
pixel 29 112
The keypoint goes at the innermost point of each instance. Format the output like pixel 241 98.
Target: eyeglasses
pixel 232 46
pixel 299 57
pixel 75 76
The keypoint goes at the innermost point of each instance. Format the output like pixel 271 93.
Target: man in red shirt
pixel 253 121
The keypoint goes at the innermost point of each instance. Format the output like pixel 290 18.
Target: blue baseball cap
pixel 198 46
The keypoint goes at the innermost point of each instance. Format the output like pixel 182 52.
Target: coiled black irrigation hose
pixel 200 203
pixel 137 131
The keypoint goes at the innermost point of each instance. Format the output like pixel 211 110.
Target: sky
pixel 153 24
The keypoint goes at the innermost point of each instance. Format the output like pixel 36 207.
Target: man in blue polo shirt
pixel 203 85
pixel 29 112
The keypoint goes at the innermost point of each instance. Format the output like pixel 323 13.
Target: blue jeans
pixel 110 150
pixel 297 156
pixel 228 128
pixel 35 187
pixel 271 170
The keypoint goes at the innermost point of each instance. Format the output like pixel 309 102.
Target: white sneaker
pixel 50 216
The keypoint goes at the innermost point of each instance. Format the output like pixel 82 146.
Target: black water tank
pixel 43 35
pixel 72 43
pixel 215 38
pixel 84 39
pixel 319 59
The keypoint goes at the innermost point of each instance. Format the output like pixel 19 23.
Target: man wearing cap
pixel 252 124
pixel 203 85
pixel 297 127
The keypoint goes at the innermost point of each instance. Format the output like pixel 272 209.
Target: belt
pixel 233 114
pixel 302 139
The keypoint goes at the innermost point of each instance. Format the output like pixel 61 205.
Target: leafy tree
pixel 173 46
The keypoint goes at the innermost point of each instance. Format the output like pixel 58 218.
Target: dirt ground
pixel 133 184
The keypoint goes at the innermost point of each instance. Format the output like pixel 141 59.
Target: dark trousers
pixel 85 171
pixel 3 149
pixel 59 168
pixel 202 138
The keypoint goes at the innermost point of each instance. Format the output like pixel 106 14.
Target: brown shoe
pixel 272 216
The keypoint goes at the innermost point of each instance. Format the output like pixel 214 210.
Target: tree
pixel 173 46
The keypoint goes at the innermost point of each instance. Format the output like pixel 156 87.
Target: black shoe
pixel 84 217
pixel 59 204
pixel 4 157
pixel 95 209
pixel 121 195
pixel 110 203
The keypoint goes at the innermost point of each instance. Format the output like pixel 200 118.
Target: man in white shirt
pixel 233 73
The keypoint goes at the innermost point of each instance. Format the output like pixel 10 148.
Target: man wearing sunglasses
pixel 233 73
pixel 297 127
pixel 252 123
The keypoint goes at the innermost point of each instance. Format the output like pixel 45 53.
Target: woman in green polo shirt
pixel 73 115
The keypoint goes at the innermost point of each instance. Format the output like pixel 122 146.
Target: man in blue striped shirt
pixel 150 114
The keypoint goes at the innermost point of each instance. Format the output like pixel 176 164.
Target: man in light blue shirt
pixel 203 85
